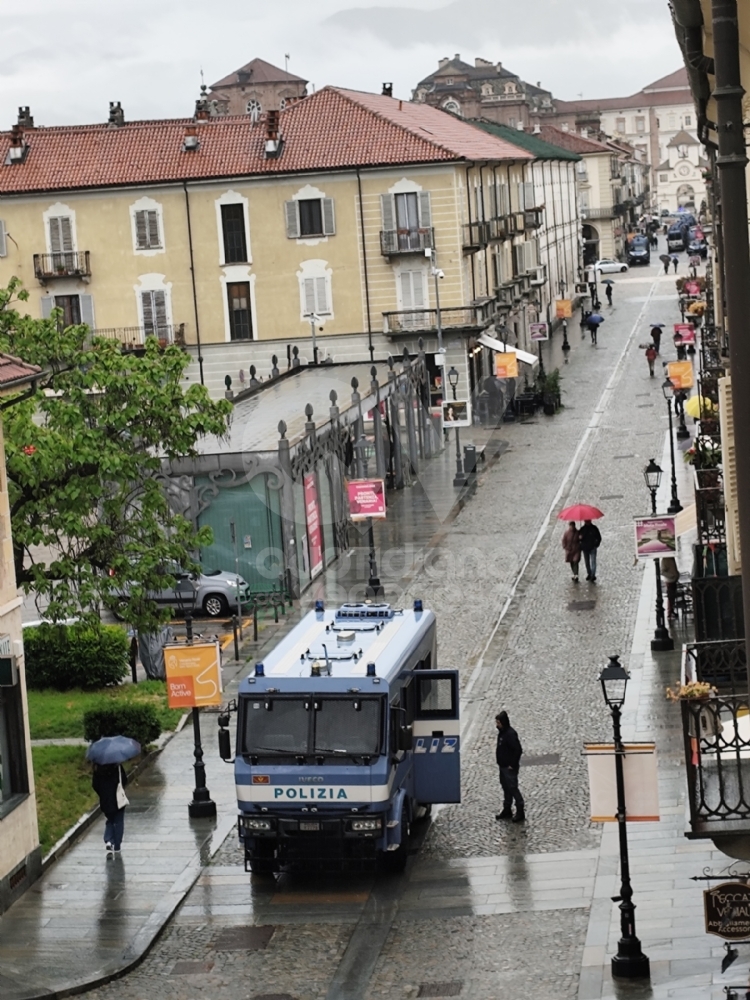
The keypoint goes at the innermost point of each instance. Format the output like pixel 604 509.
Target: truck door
pixel 436 736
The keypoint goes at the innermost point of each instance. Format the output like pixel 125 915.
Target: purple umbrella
pixel 595 318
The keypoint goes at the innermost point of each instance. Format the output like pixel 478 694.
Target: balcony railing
pixel 425 320
pixel 709 506
pixel 722 664
pixel 133 338
pixel 61 265
pixel 598 213
pixel 533 218
pixel 501 227
pixel 399 241
pixel 475 235
pixel 716 736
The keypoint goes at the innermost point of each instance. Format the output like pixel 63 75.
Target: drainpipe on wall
pixel 192 276
pixel 731 163
pixel 370 347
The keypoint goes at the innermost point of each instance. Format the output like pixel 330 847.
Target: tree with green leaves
pixel 89 511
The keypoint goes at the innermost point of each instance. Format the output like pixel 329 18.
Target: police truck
pixel 347 734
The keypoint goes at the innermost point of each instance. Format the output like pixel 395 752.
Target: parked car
pixel 215 591
pixel 697 248
pixel 607 266
pixel 639 251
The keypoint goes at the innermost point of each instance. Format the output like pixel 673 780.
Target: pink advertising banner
pixel 312 518
pixel 655 537
pixel 366 499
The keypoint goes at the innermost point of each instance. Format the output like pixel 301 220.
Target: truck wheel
pixel 395 861
pixel 263 861
pixel 423 812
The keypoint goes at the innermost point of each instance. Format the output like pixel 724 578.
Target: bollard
pixel 133 657
pixel 255 622
pixel 236 638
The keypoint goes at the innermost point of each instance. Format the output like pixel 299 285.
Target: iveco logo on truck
pixel 356 734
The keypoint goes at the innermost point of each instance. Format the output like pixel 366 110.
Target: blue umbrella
pixel 113 750
pixel 594 318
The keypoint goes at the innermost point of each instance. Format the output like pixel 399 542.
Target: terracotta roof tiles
pixel 331 130
pixel 15 373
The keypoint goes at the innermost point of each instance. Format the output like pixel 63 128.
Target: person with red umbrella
pixel 571 543
pixel 589 535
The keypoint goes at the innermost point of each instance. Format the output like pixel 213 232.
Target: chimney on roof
pixel 457 57
pixel 116 115
pixel 273 135
pixel 565 127
pixel 519 126
pixel 387 90
pixel 499 67
pixel 539 84
pixel 191 142
pixel 537 128
pixel 18 146
pixel 202 108
pixel 24 118
pixel 479 62
pixel 243 75
pixel 443 62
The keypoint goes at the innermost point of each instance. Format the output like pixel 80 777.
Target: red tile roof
pixel 14 372
pixel 671 89
pixel 331 130
pixel 570 140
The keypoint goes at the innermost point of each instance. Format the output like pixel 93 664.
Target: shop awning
pixel 498 345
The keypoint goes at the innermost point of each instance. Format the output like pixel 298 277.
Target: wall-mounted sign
pixel 506 365
pixel 538 331
pixel 193 674
pixel 247 542
pixel 655 537
pixel 641 782
pixel 680 374
pixel 727 911
pixel 457 413
pixel 366 499
pixel 686 332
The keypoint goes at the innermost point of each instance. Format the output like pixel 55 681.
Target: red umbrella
pixel 580 512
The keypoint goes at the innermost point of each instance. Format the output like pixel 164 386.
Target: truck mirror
pixel 225 744
pixel 405 738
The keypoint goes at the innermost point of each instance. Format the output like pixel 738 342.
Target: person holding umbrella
pixel 666 261
pixel 109 780
pixel 589 534
pixel 656 335
pixel 593 324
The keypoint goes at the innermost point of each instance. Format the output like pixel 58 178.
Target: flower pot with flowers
pixel 691 691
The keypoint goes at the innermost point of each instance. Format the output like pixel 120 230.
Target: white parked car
pixel 606 266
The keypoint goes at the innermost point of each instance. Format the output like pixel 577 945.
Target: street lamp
pixel 629 962
pixel 374 587
pixel 437 274
pixel 662 641
pixel 202 806
pixel 679 406
pixel 460 479
pixel 668 389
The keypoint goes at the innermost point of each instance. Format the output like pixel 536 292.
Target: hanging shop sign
pixel 193 674
pixel 506 365
pixel 680 374
pixel 457 413
pixel 366 499
pixel 641 782
pixel 686 332
pixel 727 910
pixel 539 331
pixel 655 537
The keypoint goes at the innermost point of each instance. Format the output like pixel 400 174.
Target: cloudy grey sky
pixel 68 58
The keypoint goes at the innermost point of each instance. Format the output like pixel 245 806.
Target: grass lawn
pixel 59 714
pixel 63 790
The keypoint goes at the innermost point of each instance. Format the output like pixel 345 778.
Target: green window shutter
pixel 160 310
pixel 329 219
pixel 141 231
pixel 87 310
pixel 147 306
pixel 292 220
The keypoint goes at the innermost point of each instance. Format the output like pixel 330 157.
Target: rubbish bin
pixel 470 459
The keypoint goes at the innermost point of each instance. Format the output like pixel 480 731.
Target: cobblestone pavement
pixel 509 617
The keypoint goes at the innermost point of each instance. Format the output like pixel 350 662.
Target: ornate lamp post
pixel 662 641
pixel 202 806
pixel 668 389
pixel 629 962
pixel 460 479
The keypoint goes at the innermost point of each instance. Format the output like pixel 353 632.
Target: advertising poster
pixel 563 308
pixel 366 499
pixel 538 331
pixel 457 413
pixel 680 374
pixel 312 517
pixel 506 365
pixel 193 674
pixel 686 332
pixel 655 537
pixel 641 782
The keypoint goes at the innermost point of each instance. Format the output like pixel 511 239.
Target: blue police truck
pixel 347 733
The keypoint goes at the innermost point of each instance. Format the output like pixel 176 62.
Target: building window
pixel 453 107
pixel 309 217
pixel 640 123
pixel 61 234
pixel 406 214
pixel 619 124
pixel 154 312
pixel 688 121
pixel 316 296
pixel 512 122
pixel 233 232
pixel 240 318
pixel 147 235
pixel 449 81
pixel 254 109
pixel 663 178
pixel 13 772
pixel 412 296
pixel 682 152
pixel 75 309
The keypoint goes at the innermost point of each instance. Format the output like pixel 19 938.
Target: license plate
pixel 309 826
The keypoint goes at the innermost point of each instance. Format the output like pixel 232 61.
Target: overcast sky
pixel 68 58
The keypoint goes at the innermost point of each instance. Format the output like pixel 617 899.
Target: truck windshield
pixel 312 726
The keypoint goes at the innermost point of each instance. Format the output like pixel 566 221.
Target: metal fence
pixel 62 265
pixel 398 241
pixel 722 664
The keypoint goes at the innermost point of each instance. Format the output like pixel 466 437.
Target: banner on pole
pixel 193 674
pixel 680 374
pixel 366 499
pixel 655 537
pixel 506 365
pixel 538 331
pixel 641 782
pixel 312 518
pixel 563 308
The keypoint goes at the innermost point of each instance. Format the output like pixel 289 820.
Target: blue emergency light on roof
pixel 418 605
pixel 260 670
pixel 370 669
pixel 320 606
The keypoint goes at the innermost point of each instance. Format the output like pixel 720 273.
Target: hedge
pixel 75 656
pixel 139 722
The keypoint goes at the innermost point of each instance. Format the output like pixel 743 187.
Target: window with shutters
pixel 309 218
pixel 233 233
pixel 74 309
pixel 729 465
pixel 315 289
pixel 412 296
pixel 154 312
pixel 240 313
pixel 147 235
pixel 407 222
pixel 3 239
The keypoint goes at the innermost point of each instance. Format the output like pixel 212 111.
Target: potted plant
pixel 691 691
pixel 548 388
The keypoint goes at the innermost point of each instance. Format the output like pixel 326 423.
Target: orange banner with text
pixel 193 675
pixel 506 365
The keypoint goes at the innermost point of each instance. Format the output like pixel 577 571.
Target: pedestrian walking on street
pixel 571 543
pixel 665 259
pixel 585 313
pixel 109 783
pixel 591 539
pixel 675 261
pixel 608 293
pixel 508 756
pixel 681 352
pixel 651 357
pixel 656 337
pixel 670 574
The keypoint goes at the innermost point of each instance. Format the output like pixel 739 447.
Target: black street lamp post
pixel 374 586
pixel 201 806
pixel 674 505
pixel 662 641
pixel 629 962
pixel 460 479
pixel 682 432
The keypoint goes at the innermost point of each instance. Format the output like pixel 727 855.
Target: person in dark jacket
pixel 105 782
pixel 591 539
pixel 508 756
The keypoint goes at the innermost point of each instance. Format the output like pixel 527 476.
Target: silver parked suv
pixel 215 591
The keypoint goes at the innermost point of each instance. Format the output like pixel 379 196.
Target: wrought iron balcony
pixel 533 218
pixel 133 338
pixel 62 265
pixel 425 320
pixel 709 506
pixel 475 236
pixel 722 664
pixel 501 227
pixel 606 212
pixel 400 241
